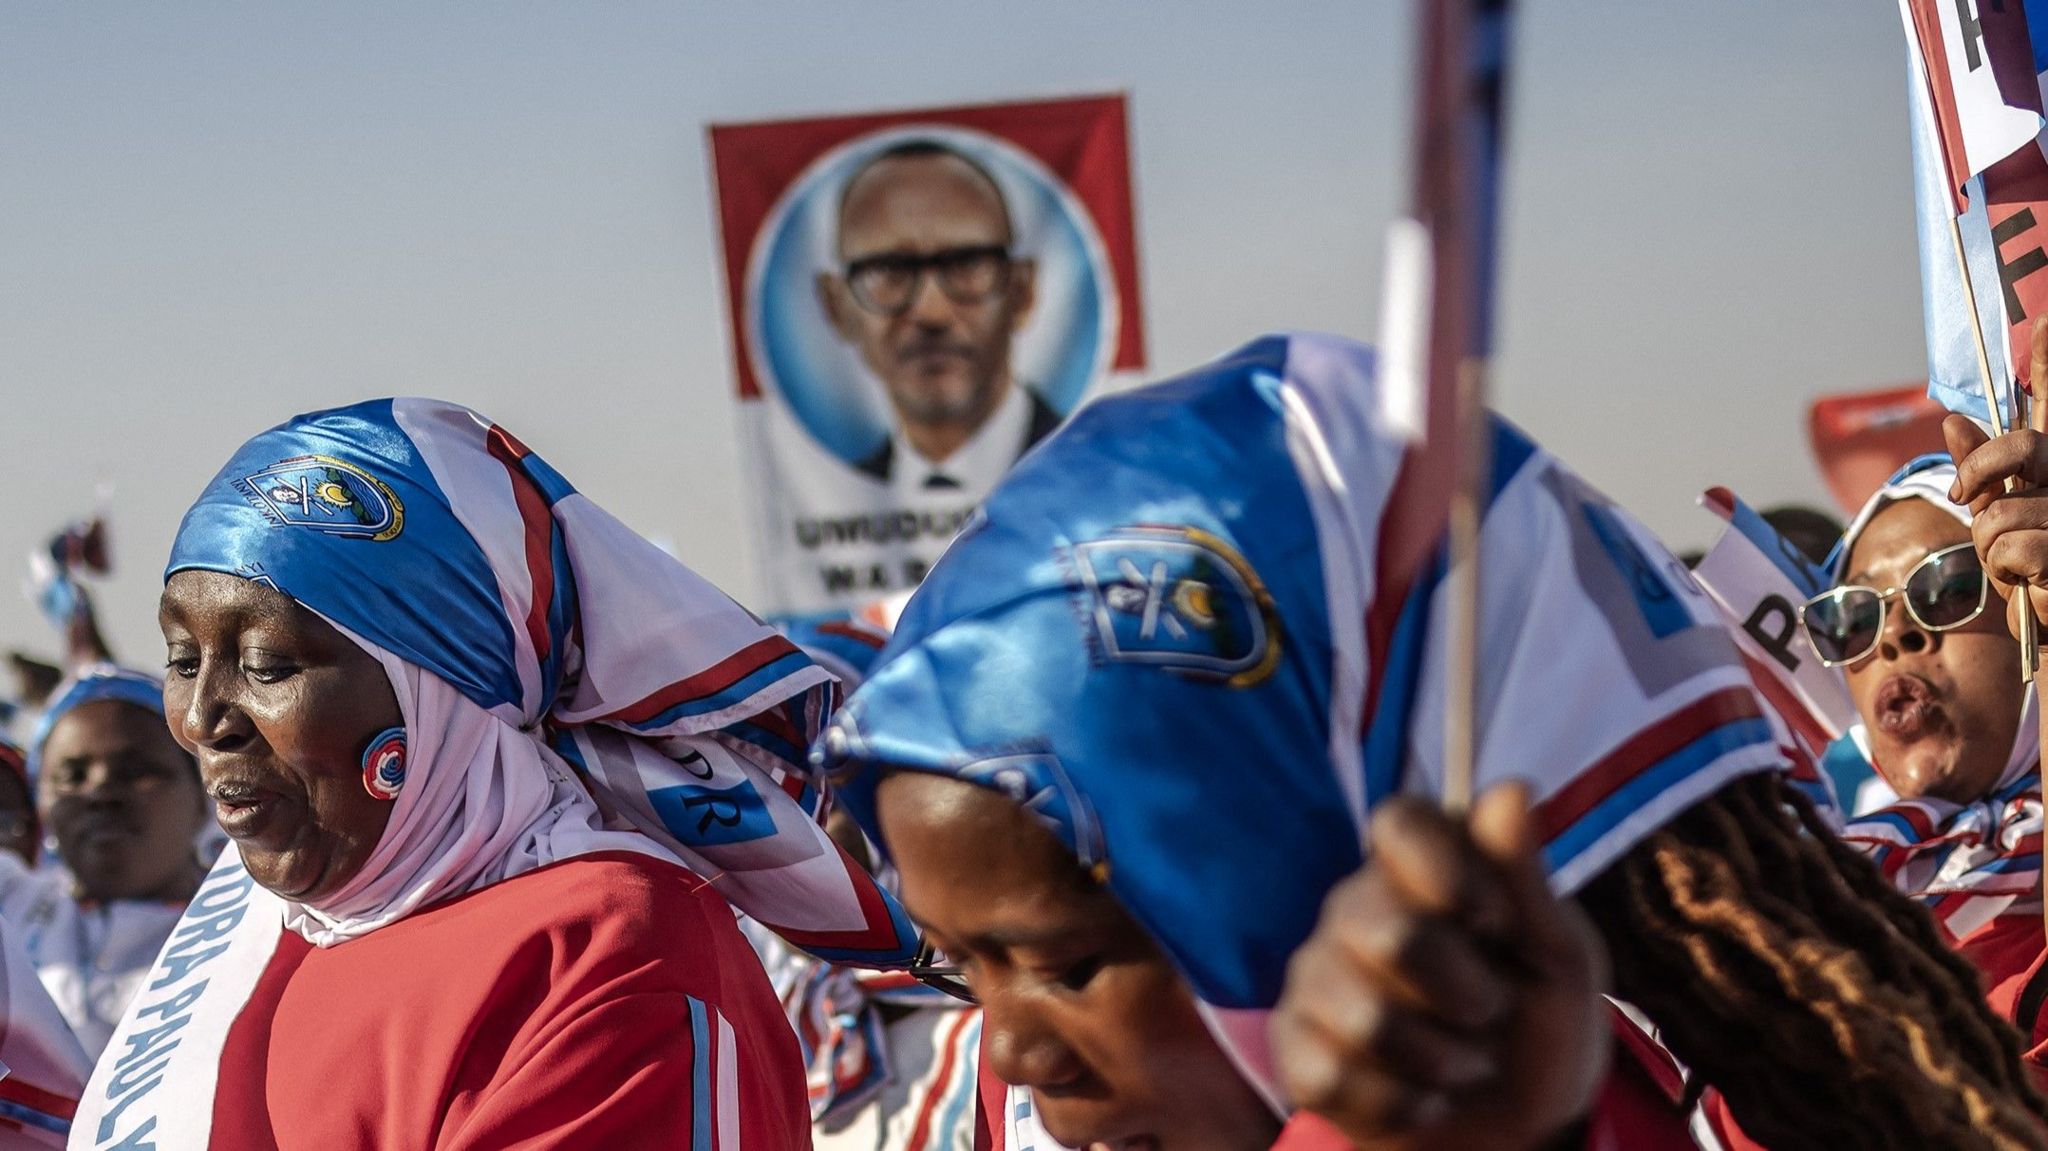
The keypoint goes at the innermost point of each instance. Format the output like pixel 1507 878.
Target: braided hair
pixel 1820 1001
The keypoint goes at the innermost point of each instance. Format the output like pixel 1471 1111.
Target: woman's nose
pixel 1022 1047
pixel 1903 634
pixel 207 718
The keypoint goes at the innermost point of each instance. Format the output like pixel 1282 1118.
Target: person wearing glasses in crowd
pixel 1923 627
pixel 122 803
pixel 931 295
pixel 1157 749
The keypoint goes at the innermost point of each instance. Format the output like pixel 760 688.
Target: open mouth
pixel 243 811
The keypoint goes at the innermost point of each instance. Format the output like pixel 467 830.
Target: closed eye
pixel 1078 975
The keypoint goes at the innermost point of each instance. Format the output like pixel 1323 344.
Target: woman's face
pixel 1078 1003
pixel 1942 708
pixel 278 706
pixel 123 801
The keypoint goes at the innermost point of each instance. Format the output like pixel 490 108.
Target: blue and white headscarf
pixel 490 587
pixel 90 685
pixel 566 687
pixel 1162 638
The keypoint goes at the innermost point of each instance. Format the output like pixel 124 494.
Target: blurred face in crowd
pixel 1079 1004
pixel 278 707
pixel 123 801
pixel 1942 708
pixel 928 292
pixel 17 816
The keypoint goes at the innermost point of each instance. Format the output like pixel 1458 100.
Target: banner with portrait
pixel 916 298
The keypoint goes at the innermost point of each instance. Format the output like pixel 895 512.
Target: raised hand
pixel 1447 1001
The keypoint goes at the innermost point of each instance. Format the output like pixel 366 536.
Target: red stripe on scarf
pixel 922 1131
pixel 1646 747
pixel 712 680
pixel 36 1099
pixel 878 935
pixel 540 536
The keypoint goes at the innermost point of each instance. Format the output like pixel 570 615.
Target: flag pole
pixel 1438 333
pixel 2030 646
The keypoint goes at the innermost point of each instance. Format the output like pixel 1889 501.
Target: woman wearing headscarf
pixel 492 766
pixel 1131 731
pixel 1966 836
pixel 1947 724
pixel 123 807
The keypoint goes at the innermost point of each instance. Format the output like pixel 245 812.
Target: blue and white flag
pixel 1955 375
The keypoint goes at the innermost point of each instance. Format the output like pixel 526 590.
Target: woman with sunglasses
pixel 1945 724
pixel 1934 675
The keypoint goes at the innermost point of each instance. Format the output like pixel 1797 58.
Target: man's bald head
pixel 922 169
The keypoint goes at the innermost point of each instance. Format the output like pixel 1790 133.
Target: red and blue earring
pixel 384 763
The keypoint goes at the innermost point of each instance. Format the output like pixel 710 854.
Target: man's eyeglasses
pixel 887 284
pixel 934 971
pixel 1946 590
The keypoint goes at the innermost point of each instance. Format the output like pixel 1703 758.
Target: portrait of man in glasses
pixel 930 292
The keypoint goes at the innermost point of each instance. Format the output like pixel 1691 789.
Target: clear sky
pixel 215 215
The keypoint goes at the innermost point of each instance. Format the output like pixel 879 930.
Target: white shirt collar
pixel 978 463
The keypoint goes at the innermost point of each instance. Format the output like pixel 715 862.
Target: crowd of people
pixel 463 817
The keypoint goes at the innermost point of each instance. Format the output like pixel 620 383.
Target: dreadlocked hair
pixel 1820 1001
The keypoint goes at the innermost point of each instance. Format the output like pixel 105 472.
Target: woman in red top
pixel 493 768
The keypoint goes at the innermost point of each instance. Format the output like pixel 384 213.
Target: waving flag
pixel 1757 579
pixel 1981 182
pixel 1986 76
pixel 1437 332
pixel 1955 373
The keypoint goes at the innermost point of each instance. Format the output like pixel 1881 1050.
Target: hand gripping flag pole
pixel 1941 157
pixel 1436 336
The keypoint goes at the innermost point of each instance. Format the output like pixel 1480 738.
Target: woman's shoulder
pixel 605 902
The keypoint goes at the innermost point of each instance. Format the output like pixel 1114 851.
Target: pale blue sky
pixel 214 215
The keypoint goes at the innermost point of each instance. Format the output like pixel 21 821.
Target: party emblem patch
pixel 327 495
pixel 1039 784
pixel 1180 599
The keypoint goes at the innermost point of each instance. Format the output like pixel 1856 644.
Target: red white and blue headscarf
pixel 566 686
pixel 90 685
pixel 1968 863
pixel 1163 637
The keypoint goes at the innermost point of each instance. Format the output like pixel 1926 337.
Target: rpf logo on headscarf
pixel 1180 599
pixel 1038 783
pixel 327 495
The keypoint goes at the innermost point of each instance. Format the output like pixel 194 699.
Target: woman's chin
pixel 1947 773
pixel 290 874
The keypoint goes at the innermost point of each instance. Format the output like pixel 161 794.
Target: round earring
pixel 384 763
